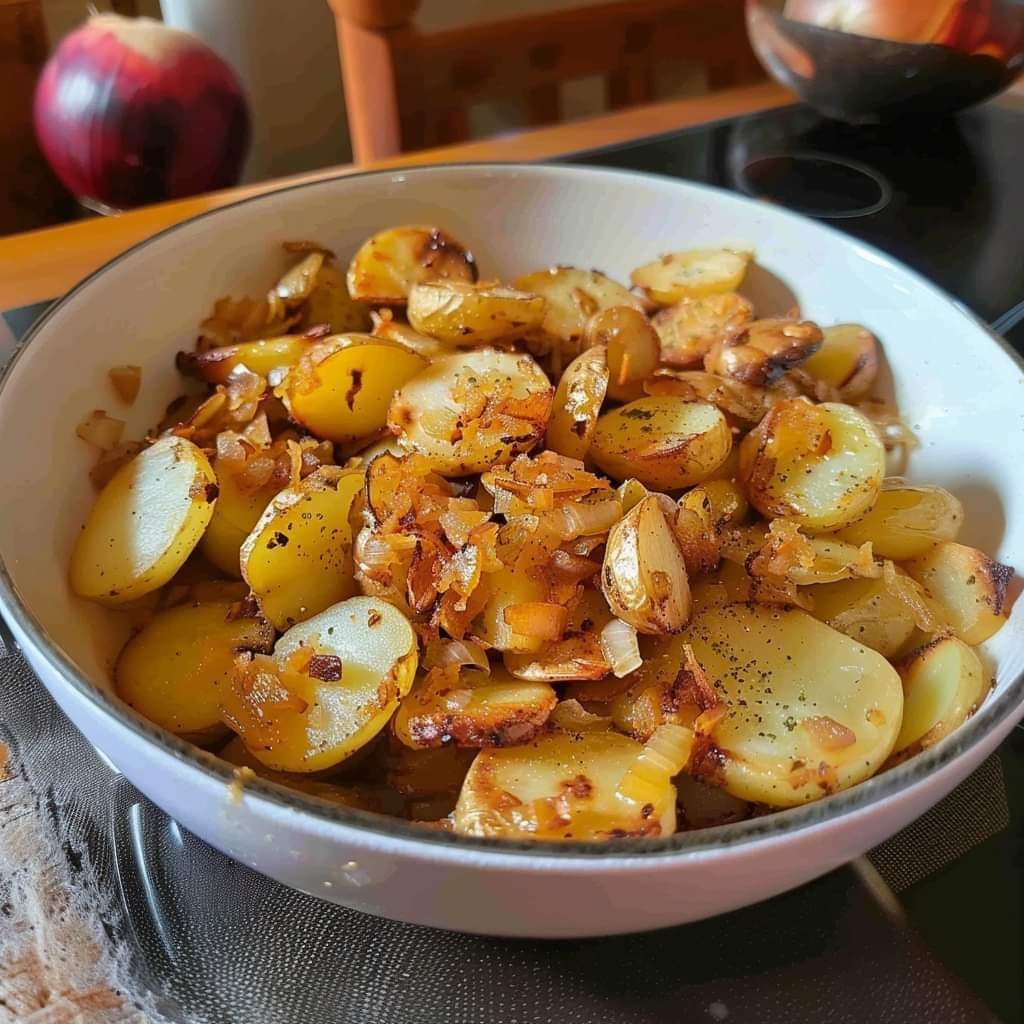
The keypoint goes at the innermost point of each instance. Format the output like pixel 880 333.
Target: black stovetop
pixel 942 195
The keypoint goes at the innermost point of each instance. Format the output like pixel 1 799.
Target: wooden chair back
pixel 406 89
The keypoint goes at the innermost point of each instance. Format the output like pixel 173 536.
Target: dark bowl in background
pixel 862 79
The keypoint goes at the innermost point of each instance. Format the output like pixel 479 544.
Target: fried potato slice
pixel 298 558
pixel 820 466
pixel 560 787
pixel 943 683
pixel 664 442
pixel 807 710
pixel 331 685
pixel 459 313
pixel 146 521
pixel 387 265
pixel 471 708
pixel 176 668
pixel 470 411
pixel 693 274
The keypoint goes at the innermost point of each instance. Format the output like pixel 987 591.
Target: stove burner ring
pixel 817 184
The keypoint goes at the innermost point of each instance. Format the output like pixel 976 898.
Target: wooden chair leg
pixel 544 105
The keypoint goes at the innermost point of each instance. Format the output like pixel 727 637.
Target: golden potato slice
pixel 688 329
pixel 866 611
pixel 729 505
pixel 145 523
pixel 907 521
pixel 274 355
pixel 330 303
pixel 664 442
pixel 809 711
pixel 631 345
pixel 176 669
pixel 234 516
pixel 573 297
pixel 969 586
pixel 578 400
pixel 387 265
pixel 298 557
pixel 342 389
pixel 630 493
pixel 559 787
pixel 693 274
pixel 644 576
pixel 943 683
pixel 458 313
pixel 470 411
pixel 332 684
pixel 847 361
pixel 820 466
pixel 473 709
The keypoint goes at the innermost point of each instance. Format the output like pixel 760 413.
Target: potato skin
pixel 577 404
pixel 459 313
pixel 145 523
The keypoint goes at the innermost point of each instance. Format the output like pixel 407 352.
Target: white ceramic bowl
pixel 961 389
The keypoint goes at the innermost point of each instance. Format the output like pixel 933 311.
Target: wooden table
pixel 40 265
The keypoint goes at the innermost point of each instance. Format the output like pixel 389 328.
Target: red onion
pixel 131 111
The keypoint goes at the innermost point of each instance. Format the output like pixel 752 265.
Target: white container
pixel 960 387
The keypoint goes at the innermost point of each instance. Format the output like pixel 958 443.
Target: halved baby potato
pixel 847 361
pixel 809 711
pixel 644 574
pixel 969 586
pixel 263 357
pixel 298 557
pixel 387 265
pixel 176 669
pixel 664 442
pixel 578 399
pixel 688 329
pixel 820 466
pixel 631 345
pixel 473 709
pixel 470 411
pixel 943 683
pixel 907 521
pixel 459 313
pixel 342 389
pixel 146 521
pixel 745 403
pixel 330 303
pixel 560 787
pixel 331 685
pixel 693 274
pixel 573 297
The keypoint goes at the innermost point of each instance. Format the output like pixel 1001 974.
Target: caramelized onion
pixel 621 647
pixel 100 430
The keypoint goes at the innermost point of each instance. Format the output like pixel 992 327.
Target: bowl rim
pixel 439 844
